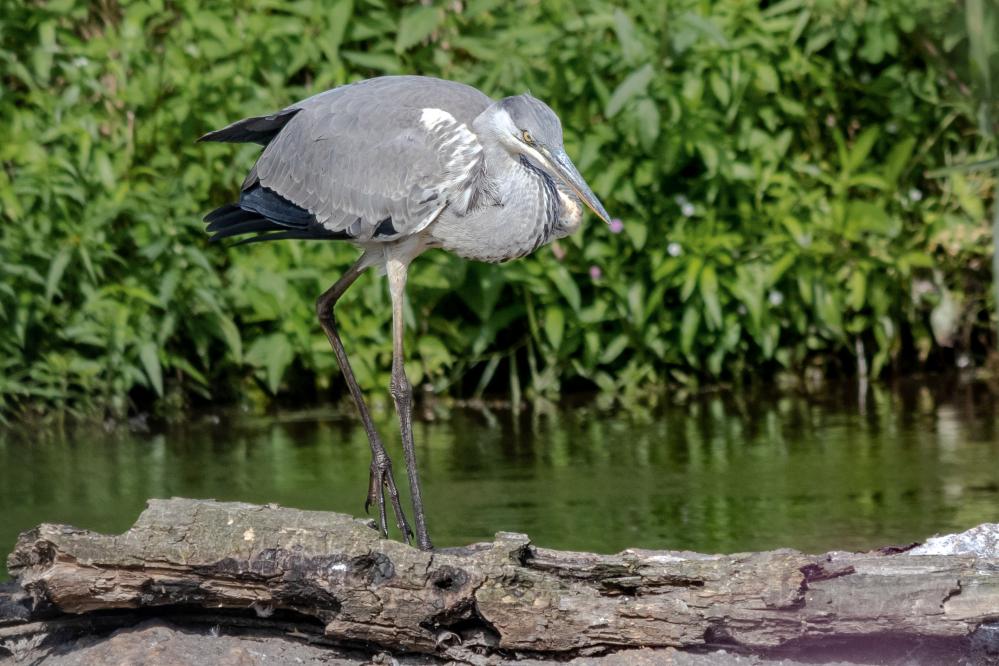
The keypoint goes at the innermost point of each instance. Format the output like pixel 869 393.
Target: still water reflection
pixel 714 474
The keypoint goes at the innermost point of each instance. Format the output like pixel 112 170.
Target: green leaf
pixel 230 333
pixel 633 85
pixel 416 24
pixel 898 160
pixel 709 293
pixel 782 7
pixel 149 355
pixel 627 36
pixel 766 78
pixel 185 367
pixel 690 277
pixel 966 197
pixel 748 289
pixel 981 165
pixel 918 259
pixel 867 179
pixel 720 89
pixel 274 354
pixel 829 310
pixel 637 232
pixel 566 286
pixel 705 27
pixel 56 270
pixel 709 154
pixel 554 326
pixel 861 148
pixel 647 114
pixel 614 349
pixel 688 329
pixel 692 90
pixel 104 169
pixel 382 62
pixel 338 18
pixel 857 285
pixel 434 353
pixel 864 216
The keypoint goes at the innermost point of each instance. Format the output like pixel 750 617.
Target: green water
pixel 713 474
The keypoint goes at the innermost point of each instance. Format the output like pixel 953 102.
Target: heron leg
pixel 402 393
pixel 381 478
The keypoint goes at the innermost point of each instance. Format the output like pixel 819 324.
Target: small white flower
pixel 915 194
pixel 80 61
pixel 687 209
pixel 963 361
pixel 680 200
pixel 775 297
pixel 674 249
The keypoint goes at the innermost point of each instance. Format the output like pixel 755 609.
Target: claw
pixel 380 480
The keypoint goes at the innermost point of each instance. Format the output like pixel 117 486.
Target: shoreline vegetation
pixel 786 180
pixel 430 407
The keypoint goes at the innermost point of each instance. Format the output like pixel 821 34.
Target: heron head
pixel 527 126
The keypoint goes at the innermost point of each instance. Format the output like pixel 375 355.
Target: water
pixel 717 474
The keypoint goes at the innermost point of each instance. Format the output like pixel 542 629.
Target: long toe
pixel 400 515
pixel 376 497
pixel 380 482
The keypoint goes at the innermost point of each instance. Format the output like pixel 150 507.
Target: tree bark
pixel 504 597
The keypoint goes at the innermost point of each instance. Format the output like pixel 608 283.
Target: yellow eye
pixel 528 139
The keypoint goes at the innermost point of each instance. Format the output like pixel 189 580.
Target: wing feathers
pixel 378 159
pixel 357 155
pixel 261 129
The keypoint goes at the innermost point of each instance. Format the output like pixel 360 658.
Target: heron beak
pixel 569 175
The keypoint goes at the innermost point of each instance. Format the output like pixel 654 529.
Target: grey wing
pixel 372 167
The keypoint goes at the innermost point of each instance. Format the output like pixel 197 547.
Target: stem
pixel 995 252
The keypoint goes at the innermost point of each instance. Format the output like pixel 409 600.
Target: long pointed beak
pixel 567 171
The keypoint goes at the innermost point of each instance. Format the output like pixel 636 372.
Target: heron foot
pixel 380 482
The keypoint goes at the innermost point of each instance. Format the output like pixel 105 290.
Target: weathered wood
pixel 506 596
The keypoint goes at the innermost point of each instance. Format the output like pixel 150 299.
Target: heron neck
pixel 524 217
pixel 527 193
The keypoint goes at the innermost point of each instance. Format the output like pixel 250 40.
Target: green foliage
pixel 767 164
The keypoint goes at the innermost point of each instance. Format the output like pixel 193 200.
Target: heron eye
pixel 528 139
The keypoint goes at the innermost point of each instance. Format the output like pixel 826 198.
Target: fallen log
pixel 332 577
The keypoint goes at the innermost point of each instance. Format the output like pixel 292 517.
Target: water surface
pixel 717 474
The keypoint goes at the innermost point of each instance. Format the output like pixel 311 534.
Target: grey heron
pixel 398 165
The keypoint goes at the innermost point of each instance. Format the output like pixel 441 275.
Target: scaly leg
pixel 381 466
pixel 402 393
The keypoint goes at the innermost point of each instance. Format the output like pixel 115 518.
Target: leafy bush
pixel 767 163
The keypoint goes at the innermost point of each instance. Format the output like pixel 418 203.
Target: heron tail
pixel 270 216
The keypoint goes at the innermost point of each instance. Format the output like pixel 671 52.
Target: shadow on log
pixel 330 579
